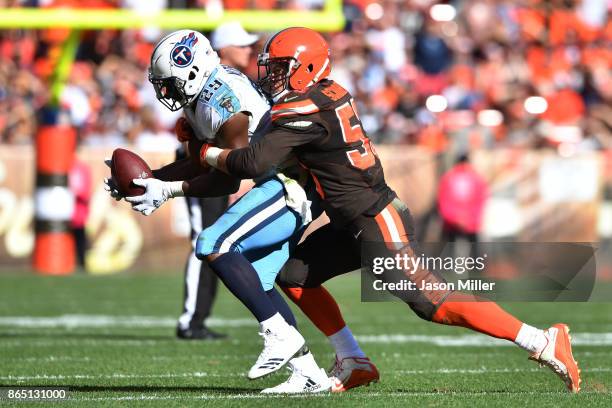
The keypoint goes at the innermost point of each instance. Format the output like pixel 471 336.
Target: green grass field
pixel 110 340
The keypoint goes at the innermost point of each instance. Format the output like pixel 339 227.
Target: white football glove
pixel 157 192
pixel 109 183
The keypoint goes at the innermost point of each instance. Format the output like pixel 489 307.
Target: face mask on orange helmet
pixel 294 59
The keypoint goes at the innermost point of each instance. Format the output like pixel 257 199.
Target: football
pixel 127 166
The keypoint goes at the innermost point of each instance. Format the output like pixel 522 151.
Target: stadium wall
pixel 535 196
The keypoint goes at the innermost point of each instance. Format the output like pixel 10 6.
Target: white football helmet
pixel 180 64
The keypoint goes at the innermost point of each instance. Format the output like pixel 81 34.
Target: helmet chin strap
pixel 316 78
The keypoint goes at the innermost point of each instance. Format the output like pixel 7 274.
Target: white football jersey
pixel 226 92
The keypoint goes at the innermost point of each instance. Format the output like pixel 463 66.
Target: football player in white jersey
pixel 234 47
pixel 249 243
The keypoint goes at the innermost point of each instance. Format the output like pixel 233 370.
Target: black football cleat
pixel 198 333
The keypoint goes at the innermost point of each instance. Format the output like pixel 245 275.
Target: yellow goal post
pixel 329 18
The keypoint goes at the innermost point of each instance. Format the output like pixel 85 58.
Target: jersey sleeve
pixel 272 149
pixel 213 116
pixel 216 105
pixel 208 121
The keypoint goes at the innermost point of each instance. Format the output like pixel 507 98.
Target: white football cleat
pixel 306 377
pixel 557 355
pixel 279 347
pixel 351 372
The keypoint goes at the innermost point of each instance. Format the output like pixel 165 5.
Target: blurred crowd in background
pixel 451 75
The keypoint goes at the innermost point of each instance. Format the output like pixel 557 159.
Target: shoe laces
pixel 296 375
pixel 269 338
pixel 336 368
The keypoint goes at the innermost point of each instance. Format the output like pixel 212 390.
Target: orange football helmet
pixel 294 58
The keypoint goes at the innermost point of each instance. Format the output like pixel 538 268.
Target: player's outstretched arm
pixel 182 169
pixel 186 168
pixel 212 184
pixel 259 158
pixel 233 134
pixel 157 192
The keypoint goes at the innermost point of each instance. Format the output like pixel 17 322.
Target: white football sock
pixel 531 339
pixel 276 324
pixel 345 344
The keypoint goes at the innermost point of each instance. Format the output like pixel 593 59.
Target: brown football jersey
pixel 322 128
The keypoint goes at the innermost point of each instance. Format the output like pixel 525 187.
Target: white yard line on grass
pixel 395 394
pixel 242 357
pixel 198 374
pixel 48 359
pixel 77 321
pixel 62 341
pixel 578 339
pixel 484 370
pixel 108 321
pixel 218 357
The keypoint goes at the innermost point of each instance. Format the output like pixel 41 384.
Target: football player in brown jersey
pixel 314 118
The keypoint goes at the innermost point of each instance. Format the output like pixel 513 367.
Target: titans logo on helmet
pixel 182 53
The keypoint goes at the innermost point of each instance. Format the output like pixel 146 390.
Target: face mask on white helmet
pixel 180 64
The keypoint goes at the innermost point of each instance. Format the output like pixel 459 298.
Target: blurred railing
pixel 535 196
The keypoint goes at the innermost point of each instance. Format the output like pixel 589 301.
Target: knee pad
pixel 293 274
pixel 425 303
pixel 424 309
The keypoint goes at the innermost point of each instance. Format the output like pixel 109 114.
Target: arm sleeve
pixel 212 184
pixel 182 169
pixel 272 149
